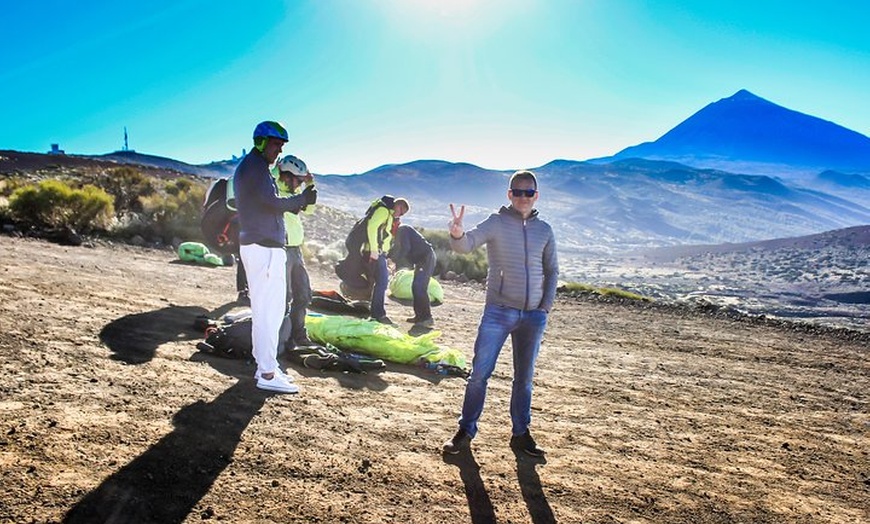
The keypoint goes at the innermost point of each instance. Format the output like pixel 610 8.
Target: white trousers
pixel 267 288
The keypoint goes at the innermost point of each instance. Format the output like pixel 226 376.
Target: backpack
pixel 331 301
pixel 229 340
pixel 219 223
pixel 358 234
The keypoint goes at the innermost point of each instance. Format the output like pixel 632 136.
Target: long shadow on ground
pixel 530 486
pixel 135 338
pixel 479 503
pixel 165 483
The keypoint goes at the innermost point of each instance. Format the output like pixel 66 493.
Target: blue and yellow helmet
pixel 268 129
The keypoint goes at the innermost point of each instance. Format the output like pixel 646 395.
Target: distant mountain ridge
pixel 214 169
pixel 745 133
pixel 624 205
pixel 628 203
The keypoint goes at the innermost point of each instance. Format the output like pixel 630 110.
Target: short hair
pixel 524 175
pixel 402 201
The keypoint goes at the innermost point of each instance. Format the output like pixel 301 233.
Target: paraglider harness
pixel 358 235
pixel 354 270
pixel 220 222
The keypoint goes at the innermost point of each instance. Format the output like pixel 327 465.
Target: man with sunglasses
pixel 520 291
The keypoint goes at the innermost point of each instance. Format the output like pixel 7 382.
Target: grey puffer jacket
pixel 523 266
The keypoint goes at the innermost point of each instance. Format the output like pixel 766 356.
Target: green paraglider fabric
pixel 380 340
pixel 400 287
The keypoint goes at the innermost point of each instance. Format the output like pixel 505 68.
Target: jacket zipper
pixel 526 265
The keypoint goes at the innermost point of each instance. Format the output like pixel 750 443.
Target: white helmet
pixel 292 165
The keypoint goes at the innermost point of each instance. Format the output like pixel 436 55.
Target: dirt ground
pixel 648 414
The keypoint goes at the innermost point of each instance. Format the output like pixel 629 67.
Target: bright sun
pixel 445 8
pixel 423 17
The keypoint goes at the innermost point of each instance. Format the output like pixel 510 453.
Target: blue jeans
pixel 381 277
pixel 526 328
pixel 420 288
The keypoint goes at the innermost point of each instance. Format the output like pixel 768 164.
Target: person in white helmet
pixel 292 176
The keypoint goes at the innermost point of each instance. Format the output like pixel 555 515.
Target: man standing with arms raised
pixel 261 237
pixel 520 291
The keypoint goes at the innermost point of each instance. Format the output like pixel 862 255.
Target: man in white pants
pixel 261 238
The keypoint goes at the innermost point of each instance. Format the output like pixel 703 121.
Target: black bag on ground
pixel 330 358
pixel 331 301
pixel 230 340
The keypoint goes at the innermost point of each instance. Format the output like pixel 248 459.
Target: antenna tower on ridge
pixel 125 139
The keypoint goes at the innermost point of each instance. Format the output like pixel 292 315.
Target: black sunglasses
pixel 528 193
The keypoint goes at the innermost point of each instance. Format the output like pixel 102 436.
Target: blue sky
pixel 504 84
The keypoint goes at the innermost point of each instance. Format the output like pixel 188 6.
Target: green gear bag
pixel 199 253
pixel 400 287
pixel 381 341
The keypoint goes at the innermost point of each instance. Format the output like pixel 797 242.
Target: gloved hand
pixel 310 195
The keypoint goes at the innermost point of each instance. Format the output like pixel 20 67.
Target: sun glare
pixel 445 8
pixel 424 16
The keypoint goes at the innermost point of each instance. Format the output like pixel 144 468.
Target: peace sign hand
pixel 455 225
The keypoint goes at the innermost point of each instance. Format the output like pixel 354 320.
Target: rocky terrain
pixel 651 413
pixel 823 279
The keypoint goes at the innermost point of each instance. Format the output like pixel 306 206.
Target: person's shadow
pixel 530 486
pixel 135 338
pixel 479 503
pixel 165 483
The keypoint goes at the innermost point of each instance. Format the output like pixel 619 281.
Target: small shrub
pixel 10 184
pixel 173 215
pixel 128 186
pixel 177 187
pixel 53 203
pixel 326 254
pixel 473 265
pixel 577 288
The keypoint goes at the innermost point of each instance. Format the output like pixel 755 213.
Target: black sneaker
pixel 526 444
pixel 304 343
pixel 384 320
pixel 428 323
pixel 461 441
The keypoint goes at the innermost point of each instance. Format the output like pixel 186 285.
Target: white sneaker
pixel 285 375
pixel 278 384
pixel 278 371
